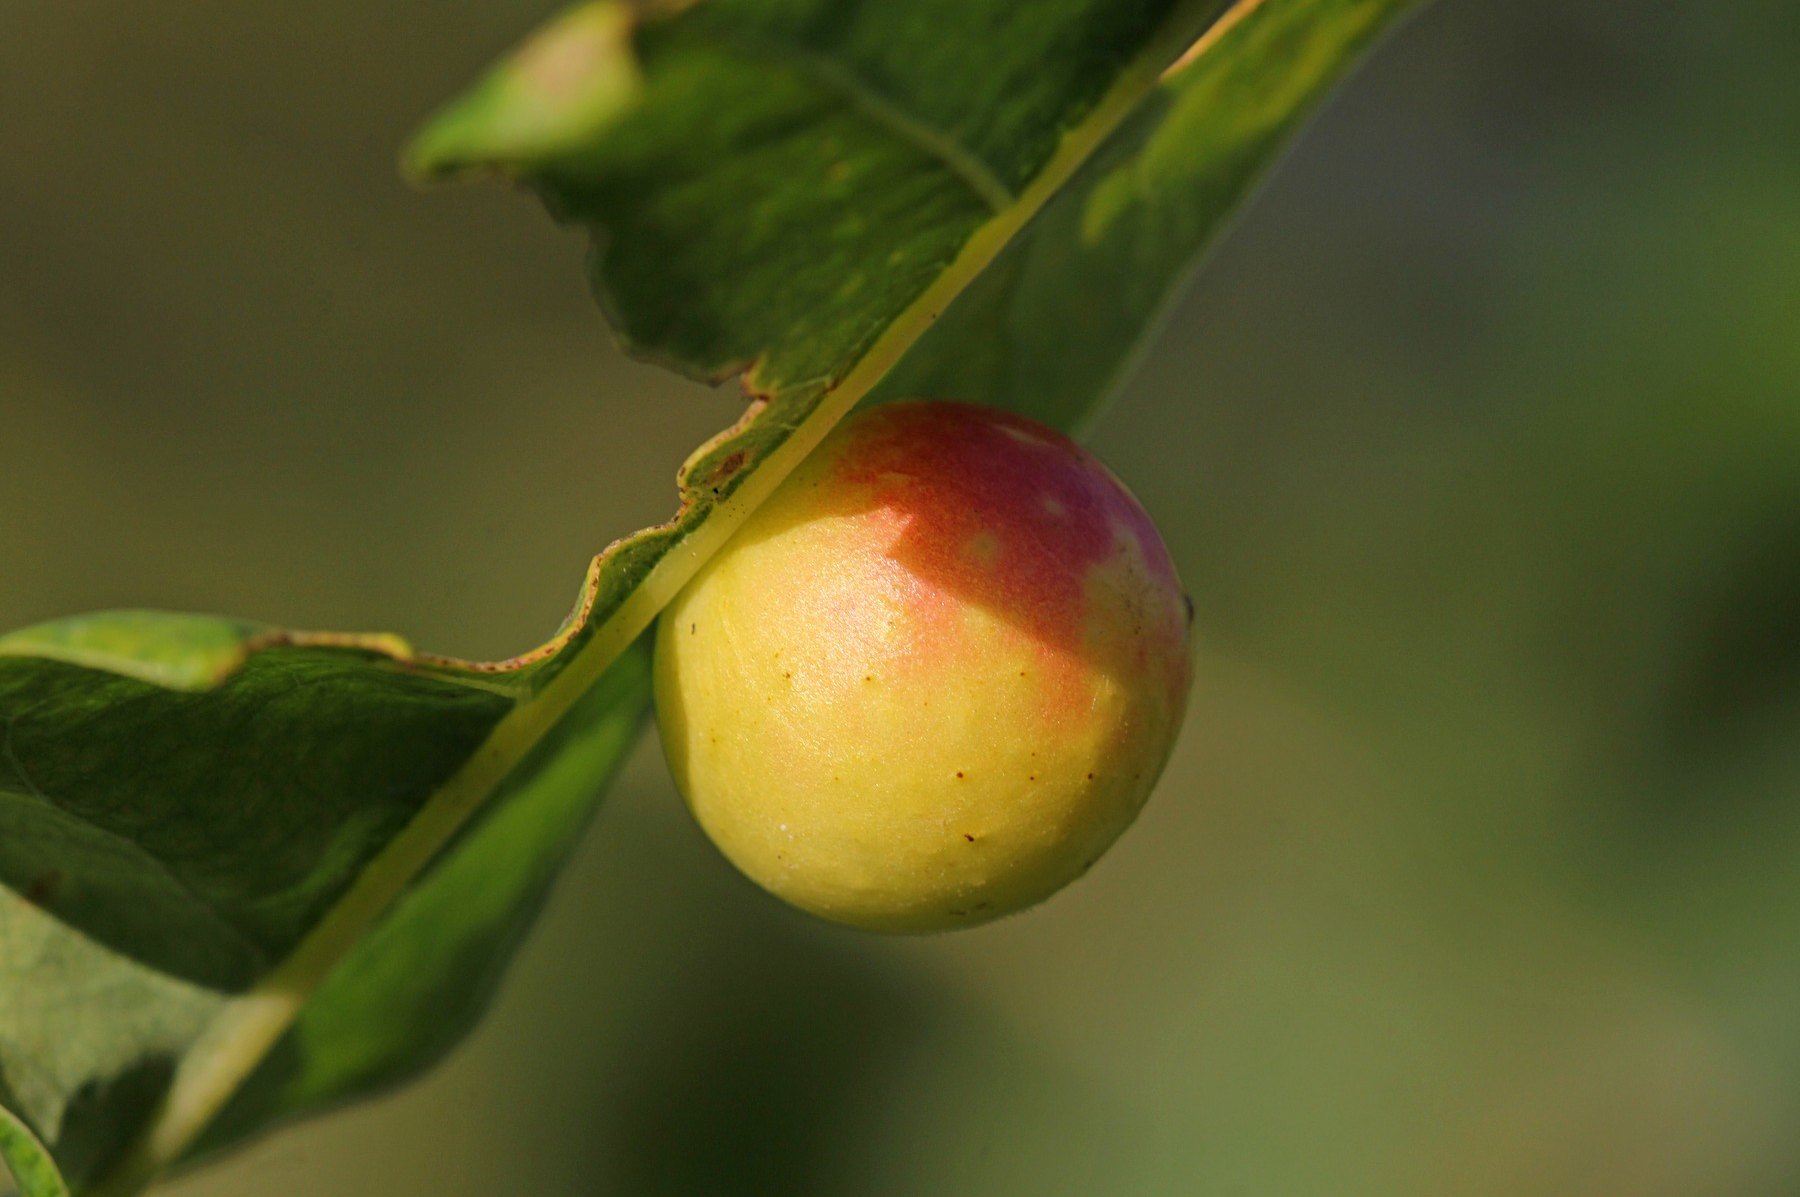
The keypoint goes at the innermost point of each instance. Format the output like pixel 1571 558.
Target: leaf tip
pixel 553 94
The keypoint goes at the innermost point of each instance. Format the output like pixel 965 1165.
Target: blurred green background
pixel 1477 869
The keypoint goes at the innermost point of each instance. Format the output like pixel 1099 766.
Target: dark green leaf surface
pixel 420 980
pixel 1050 329
pixel 791 176
pixel 245 873
pixel 153 889
pixel 160 849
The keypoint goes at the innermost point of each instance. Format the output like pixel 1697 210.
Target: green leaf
pixel 30 1164
pixel 1051 329
pixel 246 872
pixel 421 979
pixel 187 872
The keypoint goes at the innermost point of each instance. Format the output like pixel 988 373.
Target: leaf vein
pixel 892 118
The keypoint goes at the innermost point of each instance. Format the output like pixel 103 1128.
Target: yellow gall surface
pixel 933 677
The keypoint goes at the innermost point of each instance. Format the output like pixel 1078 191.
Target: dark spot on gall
pixel 968 837
pixel 959 773
pixel 1188 599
